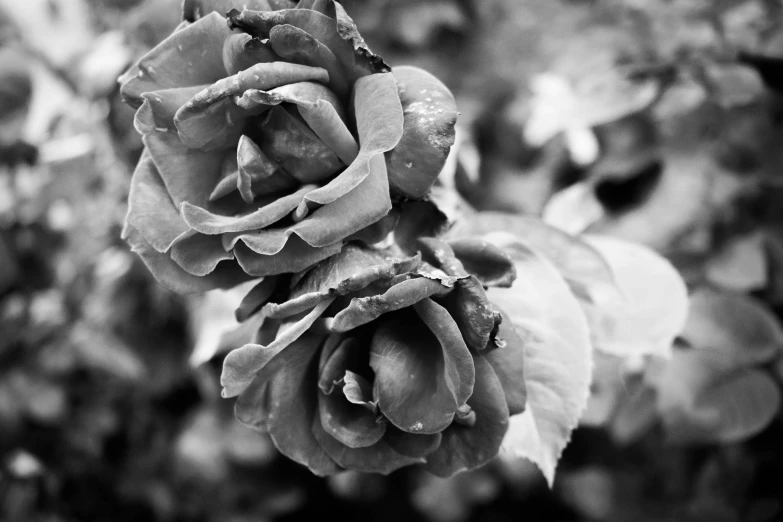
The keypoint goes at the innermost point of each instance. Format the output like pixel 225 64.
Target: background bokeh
pixel 658 121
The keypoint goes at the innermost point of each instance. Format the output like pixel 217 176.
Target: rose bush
pixel 272 139
pixel 372 361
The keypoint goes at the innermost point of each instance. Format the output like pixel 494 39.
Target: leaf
pixel 705 398
pixel 558 363
pixel 654 301
pixel 741 265
pixel 573 209
pixel 739 327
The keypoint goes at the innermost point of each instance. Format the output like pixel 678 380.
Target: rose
pixel 273 140
pixel 381 362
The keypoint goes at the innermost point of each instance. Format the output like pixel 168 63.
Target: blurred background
pixel 658 121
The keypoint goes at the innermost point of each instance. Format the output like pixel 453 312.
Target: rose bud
pixel 272 138
pixel 379 362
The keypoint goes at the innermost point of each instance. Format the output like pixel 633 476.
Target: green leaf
pixel 653 303
pixel 558 361
pixel 741 265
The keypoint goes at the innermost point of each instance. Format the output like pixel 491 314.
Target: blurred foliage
pixel 651 120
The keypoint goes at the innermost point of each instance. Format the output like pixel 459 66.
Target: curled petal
pixel 471 310
pixel 211 127
pixel 192 10
pixel 491 265
pixel 190 56
pixel 430 116
pixel 421 377
pixel 159 107
pixel 198 254
pixel 362 310
pixel 263 76
pixel 170 275
pixel 439 254
pixel 255 299
pixel 351 424
pixel 206 222
pixel 257 174
pixel 150 210
pixel 467 447
pixel 298 46
pixel 364 205
pixel 242 51
pixel 295 256
pixel 241 365
pixel 508 361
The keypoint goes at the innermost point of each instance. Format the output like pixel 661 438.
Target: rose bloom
pixel 273 138
pixel 374 362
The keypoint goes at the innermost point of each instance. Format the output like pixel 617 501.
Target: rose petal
pixel 189 175
pixel 255 299
pixel 362 310
pixel 252 406
pixel 229 175
pixel 351 424
pixel 242 51
pixel 357 389
pixel 463 447
pixel 290 143
pixel 379 122
pixel 170 275
pixel 241 365
pixel 207 222
pixel 159 107
pixel 419 219
pixel 150 210
pixel 257 174
pixel 430 115
pixel 364 205
pixel 471 310
pixel 440 255
pixel 212 127
pixel 298 46
pixel 378 458
pixel 410 444
pixel 192 10
pixel 190 56
pixel 199 254
pixel 292 408
pixel 295 257
pixel 418 381
pixel 379 230
pixel 508 361
pixel 491 265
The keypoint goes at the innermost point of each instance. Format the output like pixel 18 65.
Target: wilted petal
pixel 241 365
pixel 190 56
pixel 419 382
pixel 464 447
pixel 294 257
pixel 150 210
pixel 199 254
pixel 471 310
pixel 173 277
pixel 292 411
pixel 192 10
pixel 508 361
pixel 255 298
pixel 430 115
pixel 378 458
pixel 491 265
pixel 362 310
